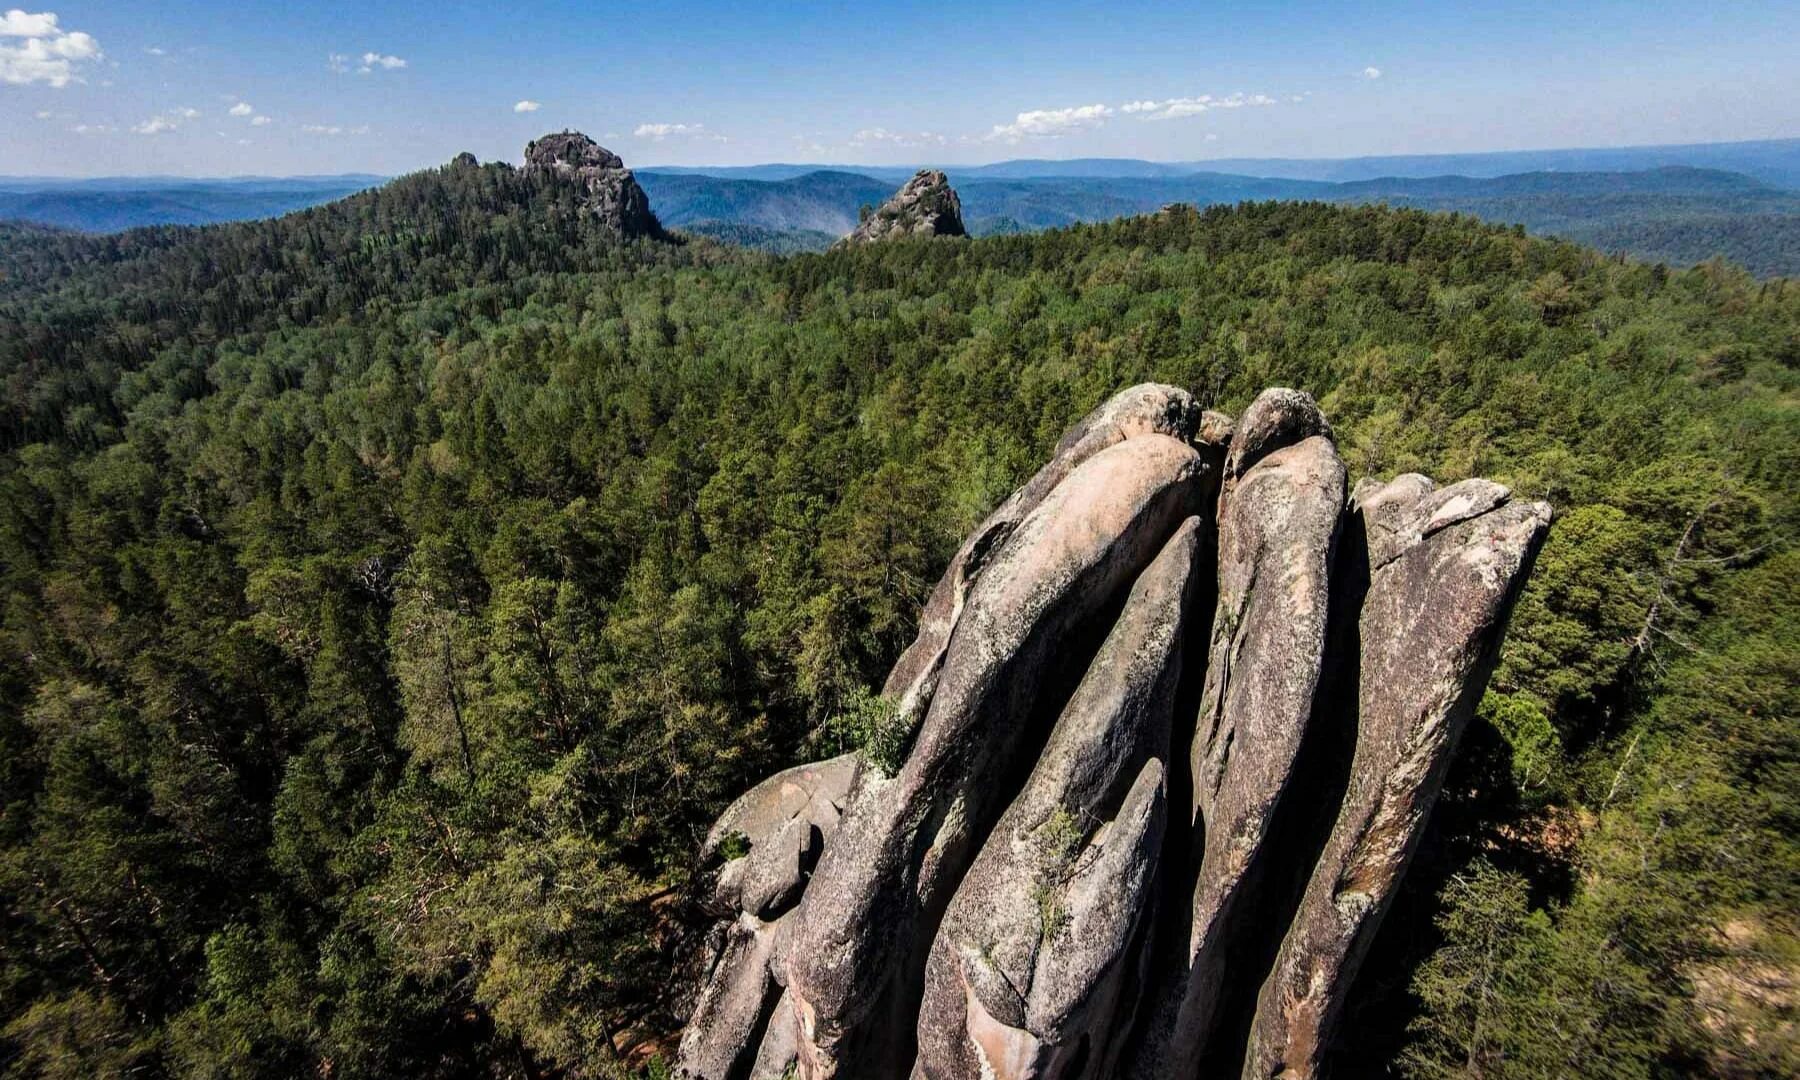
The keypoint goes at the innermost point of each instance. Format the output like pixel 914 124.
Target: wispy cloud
pixel 527 106
pixel 165 122
pixel 372 61
pixel 1176 108
pixel 338 63
pixel 260 121
pixel 35 49
pixel 659 132
pixel 1051 123
pixel 1371 73
pixel 883 137
pixel 242 108
pixel 155 51
pixel 334 129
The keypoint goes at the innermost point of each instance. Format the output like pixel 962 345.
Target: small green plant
pixel 874 725
pixel 1059 841
pixel 733 845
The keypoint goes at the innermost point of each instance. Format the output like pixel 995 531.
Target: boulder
pixel 775 833
pixel 1032 951
pixel 1177 724
pixel 866 920
pixel 726 1028
pixel 1445 568
pixel 1279 518
pixel 1146 409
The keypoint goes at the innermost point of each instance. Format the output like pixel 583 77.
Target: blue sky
pixel 218 88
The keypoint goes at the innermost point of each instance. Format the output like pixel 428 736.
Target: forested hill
pixel 393 592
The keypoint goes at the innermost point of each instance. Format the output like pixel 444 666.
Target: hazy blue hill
pixel 761 237
pixel 1774 161
pixel 1667 179
pixel 769 172
pixel 818 201
pixel 114 203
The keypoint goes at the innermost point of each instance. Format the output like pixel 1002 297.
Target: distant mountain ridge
pixel 1773 161
pixel 1679 204
pixel 1675 214
pixel 108 204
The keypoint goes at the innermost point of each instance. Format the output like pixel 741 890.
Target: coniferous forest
pixel 392 593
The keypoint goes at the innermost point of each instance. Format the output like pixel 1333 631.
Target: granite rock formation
pixel 1179 712
pixel 610 192
pixel 925 206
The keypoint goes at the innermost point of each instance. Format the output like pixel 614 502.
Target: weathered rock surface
pixel 1280 512
pixel 782 825
pixel 1445 567
pixel 1087 859
pixel 1146 409
pixel 926 206
pixel 612 194
pixel 864 925
pixel 1029 964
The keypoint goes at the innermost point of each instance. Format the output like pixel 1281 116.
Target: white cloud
pixel 45 52
pixel 527 106
pixel 659 132
pixel 882 136
pixel 338 63
pixel 91 129
pixel 154 51
pixel 373 60
pixel 163 123
pixel 1051 123
pixel 1176 108
pixel 242 108
pixel 16 23
pixel 1371 73
pixel 259 121
pixel 44 114
pixel 322 129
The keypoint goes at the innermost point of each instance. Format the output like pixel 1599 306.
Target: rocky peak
pixel 612 193
pixel 570 151
pixel 926 206
pixel 1178 712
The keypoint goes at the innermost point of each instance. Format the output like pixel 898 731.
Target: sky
pixel 233 87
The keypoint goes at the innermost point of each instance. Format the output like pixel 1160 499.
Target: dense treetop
pixel 392 593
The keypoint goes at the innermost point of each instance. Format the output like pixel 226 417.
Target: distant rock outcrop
pixel 926 206
pixel 1180 711
pixel 612 193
